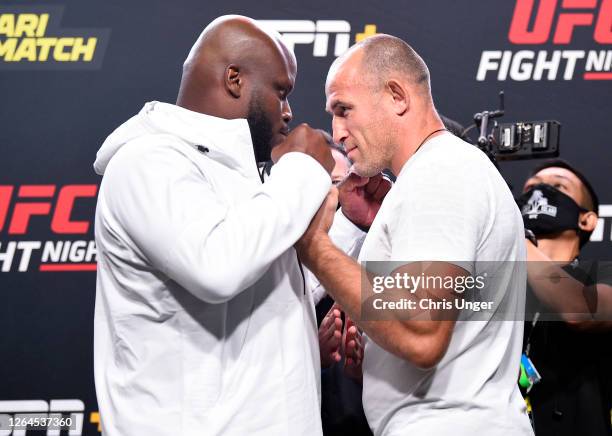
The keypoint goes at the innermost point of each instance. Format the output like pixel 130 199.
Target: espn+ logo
pixel 319 33
pixel 554 22
pixel 52 206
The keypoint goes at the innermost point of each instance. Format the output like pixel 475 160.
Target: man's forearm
pixel 420 342
pixel 338 273
pixel 585 307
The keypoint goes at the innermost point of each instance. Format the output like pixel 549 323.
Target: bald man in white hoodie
pixel 203 320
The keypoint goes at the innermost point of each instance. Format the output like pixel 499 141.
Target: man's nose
pixel 339 131
pixel 286 112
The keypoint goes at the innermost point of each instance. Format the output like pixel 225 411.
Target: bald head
pixel 239 69
pixel 383 57
pixel 232 50
pixel 380 100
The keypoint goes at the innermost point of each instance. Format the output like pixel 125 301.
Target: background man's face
pixel 358 121
pixel 561 179
pixel 341 168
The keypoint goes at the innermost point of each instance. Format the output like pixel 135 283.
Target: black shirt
pixel 341 408
pixel 574 396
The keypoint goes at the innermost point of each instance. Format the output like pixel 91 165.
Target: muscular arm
pixel 422 342
pixel 178 222
pixel 348 238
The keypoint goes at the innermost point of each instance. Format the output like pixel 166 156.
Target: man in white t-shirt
pixel 450 216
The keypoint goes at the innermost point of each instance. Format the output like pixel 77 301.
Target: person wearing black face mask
pixel 548 211
pixel 568 330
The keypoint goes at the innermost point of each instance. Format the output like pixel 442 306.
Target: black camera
pixel 526 140
pixel 516 141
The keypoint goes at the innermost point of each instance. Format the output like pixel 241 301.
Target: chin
pixel 364 170
pixel 278 139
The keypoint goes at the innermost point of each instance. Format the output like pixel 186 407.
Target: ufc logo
pixel 24 208
pixel 308 32
pixel 574 13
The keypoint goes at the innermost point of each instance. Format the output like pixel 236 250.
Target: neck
pixel 194 97
pixel 561 247
pixel 413 134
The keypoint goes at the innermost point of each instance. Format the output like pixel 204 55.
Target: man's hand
pixel 305 139
pixel 361 197
pixel 330 336
pixel 335 343
pixel 352 350
pixel 319 226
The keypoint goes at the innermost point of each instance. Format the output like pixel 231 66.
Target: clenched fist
pixel 305 139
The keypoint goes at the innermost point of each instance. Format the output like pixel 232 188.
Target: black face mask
pixel 547 210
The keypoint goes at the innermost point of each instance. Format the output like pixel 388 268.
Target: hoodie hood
pixel 226 141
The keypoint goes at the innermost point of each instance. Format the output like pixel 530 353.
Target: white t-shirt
pixel 451 204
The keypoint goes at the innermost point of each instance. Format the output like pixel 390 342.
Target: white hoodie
pixel 203 325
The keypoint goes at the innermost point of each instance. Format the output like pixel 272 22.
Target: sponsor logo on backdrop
pixel 327 37
pixel 536 25
pixel 56 416
pixel 603 231
pixel 69 245
pixel 94 418
pixel 32 38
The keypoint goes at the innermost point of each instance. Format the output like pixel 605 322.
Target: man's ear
pixel 233 80
pixel 587 221
pixel 400 99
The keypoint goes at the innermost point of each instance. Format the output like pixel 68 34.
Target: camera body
pixel 525 140
pixel 516 141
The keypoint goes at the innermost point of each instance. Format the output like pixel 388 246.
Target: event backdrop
pixel 73 70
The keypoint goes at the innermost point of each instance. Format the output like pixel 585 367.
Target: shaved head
pixel 379 96
pixel 239 69
pixel 385 56
pixel 233 39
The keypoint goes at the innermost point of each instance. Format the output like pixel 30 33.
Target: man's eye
pixel 341 111
pixel 283 92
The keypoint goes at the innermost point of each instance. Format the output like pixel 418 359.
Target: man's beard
pixel 261 130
